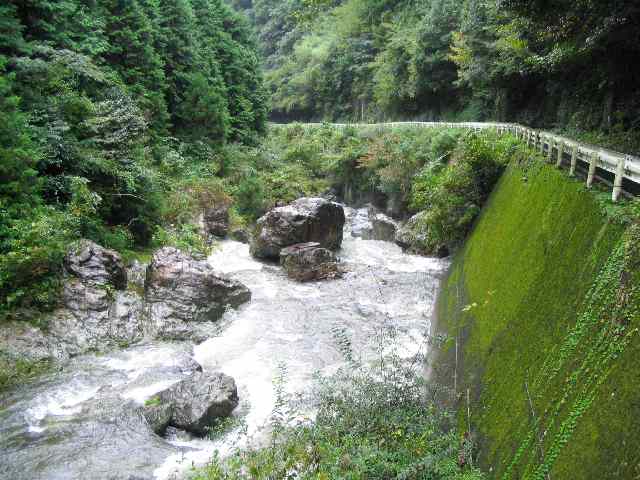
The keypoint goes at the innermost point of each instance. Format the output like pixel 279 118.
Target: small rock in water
pixel 193 404
pixel 361 226
pixel 309 261
pixel 384 228
pixel 239 235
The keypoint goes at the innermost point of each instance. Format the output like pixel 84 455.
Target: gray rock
pixel 305 220
pixel 216 220
pixel 180 289
pixel 309 261
pixel 96 265
pixel 158 414
pixel 92 327
pixel 193 404
pixel 95 313
pixel 384 228
pixel 414 237
pixel 136 273
pixel 239 235
pixel 21 341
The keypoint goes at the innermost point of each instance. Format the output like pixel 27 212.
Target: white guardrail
pixel 620 165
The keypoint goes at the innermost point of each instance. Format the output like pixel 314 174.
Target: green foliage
pixel 185 237
pixel 555 65
pixel 89 94
pixel 453 195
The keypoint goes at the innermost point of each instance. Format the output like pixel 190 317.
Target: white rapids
pixel 58 428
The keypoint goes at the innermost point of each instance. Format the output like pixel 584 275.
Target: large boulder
pixel 193 404
pixel 309 261
pixel 383 227
pixel 180 289
pixel 97 313
pixel 305 220
pixel 92 264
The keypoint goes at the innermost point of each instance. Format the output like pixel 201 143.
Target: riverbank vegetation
pixel 552 64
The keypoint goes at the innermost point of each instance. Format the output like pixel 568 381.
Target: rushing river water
pixel 83 421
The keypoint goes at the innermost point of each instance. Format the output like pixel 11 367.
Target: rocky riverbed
pixel 93 417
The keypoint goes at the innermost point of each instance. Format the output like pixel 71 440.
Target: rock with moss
pixel 157 414
pixel 305 220
pixel 95 314
pixel 415 236
pixel 136 274
pixel 309 261
pixel 383 227
pixel 181 290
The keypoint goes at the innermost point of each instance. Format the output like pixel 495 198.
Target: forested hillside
pixel 569 64
pixel 102 105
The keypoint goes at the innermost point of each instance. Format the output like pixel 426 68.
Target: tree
pixel 132 53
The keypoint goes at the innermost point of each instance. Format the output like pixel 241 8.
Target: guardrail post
pixel 574 161
pixel 542 145
pixel 560 154
pixel 617 182
pixel 592 169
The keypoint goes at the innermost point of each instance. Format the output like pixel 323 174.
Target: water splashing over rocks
pixel 85 421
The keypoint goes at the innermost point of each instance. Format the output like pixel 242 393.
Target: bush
pixel 185 237
pixel 452 196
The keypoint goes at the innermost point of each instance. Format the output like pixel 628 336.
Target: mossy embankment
pixel 543 303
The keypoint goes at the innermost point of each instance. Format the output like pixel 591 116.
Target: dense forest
pixel 563 64
pixel 102 104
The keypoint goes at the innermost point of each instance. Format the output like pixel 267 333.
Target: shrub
pixel 185 237
pixel 452 196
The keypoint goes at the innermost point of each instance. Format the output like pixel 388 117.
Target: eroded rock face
pixel 193 404
pixel 305 220
pixel 136 274
pixel 97 313
pixel 180 289
pixel 383 227
pixel 92 264
pixel 309 261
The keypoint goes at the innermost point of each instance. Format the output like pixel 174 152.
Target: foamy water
pixel 90 405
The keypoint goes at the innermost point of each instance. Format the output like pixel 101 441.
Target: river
pixel 83 422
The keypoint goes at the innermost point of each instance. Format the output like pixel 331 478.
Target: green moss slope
pixel 544 303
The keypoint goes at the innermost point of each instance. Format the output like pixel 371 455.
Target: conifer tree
pixel 132 53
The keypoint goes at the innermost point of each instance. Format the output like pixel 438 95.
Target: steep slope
pixel 542 306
